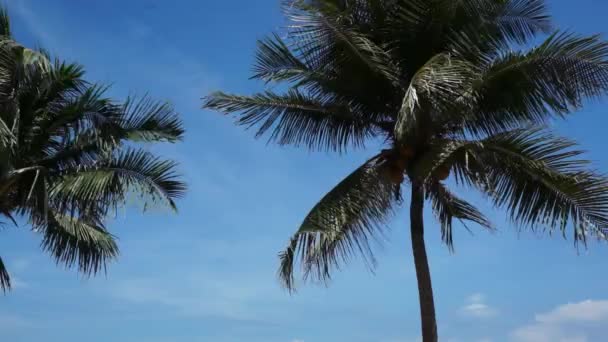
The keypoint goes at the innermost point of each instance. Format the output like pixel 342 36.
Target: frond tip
pixel 448 206
pixel 540 180
pixel 342 224
pixel 72 241
pixel 5 278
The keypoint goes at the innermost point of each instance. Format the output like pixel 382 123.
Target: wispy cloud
pixel 476 307
pixel 565 323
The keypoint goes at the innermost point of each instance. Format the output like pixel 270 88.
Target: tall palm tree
pixel 452 88
pixel 70 156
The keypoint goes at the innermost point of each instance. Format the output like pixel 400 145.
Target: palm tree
pixel 452 88
pixel 70 156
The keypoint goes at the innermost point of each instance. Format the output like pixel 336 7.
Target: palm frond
pixel 276 62
pixel 448 206
pixel 520 20
pixel 539 179
pixel 296 119
pixel 74 242
pixel 151 121
pixel 110 182
pixel 433 88
pixel 325 42
pixel 5 23
pixel 342 224
pixel 550 81
pixel 5 278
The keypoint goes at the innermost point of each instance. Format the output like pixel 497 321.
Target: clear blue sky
pixel 208 274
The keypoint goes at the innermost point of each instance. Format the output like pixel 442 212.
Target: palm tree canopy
pixel 70 155
pixel 453 88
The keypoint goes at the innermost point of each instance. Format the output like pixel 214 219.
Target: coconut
pixel 442 173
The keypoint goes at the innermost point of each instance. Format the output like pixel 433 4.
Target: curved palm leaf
pixel 72 241
pixel 150 121
pixel 448 206
pixel 109 182
pixel 342 223
pixel 297 119
pixel 538 178
pixel 547 82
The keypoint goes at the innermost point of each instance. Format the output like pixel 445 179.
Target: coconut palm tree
pixel 70 156
pixel 453 88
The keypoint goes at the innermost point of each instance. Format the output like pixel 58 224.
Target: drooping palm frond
pixel 110 182
pixel 342 224
pixel 539 179
pixel 74 242
pixel 5 278
pixel 297 119
pixel 448 206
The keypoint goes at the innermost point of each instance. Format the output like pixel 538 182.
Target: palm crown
pixel 70 155
pixel 442 83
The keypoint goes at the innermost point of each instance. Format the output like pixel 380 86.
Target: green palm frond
pixel 74 242
pixel 433 88
pixel 5 23
pixel 539 178
pixel 547 82
pixel 110 181
pixel 276 62
pixel 5 278
pixel 297 119
pixel 151 121
pixel 448 206
pixel 324 42
pixel 520 20
pixel 516 20
pixel 342 224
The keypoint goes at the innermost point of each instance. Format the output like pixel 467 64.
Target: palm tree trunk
pixel 423 274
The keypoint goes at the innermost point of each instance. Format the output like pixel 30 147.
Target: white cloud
pixel 563 323
pixel 540 332
pixel 476 307
pixel 297 340
pixel 586 311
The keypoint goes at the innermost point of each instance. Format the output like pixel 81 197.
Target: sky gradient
pixel 209 273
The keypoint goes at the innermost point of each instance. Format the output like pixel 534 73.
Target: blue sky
pixel 208 274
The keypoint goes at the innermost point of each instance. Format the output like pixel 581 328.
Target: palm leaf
pixel 148 120
pixel 342 224
pixel 296 119
pixel 448 206
pixel 74 242
pixel 5 278
pixel 323 41
pixel 548 82
pixel 110 181
pixel 5 23
pixel 539 179
pixel 433 88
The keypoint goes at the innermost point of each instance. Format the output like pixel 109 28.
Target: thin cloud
pixel 569 322
pixel 476 307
